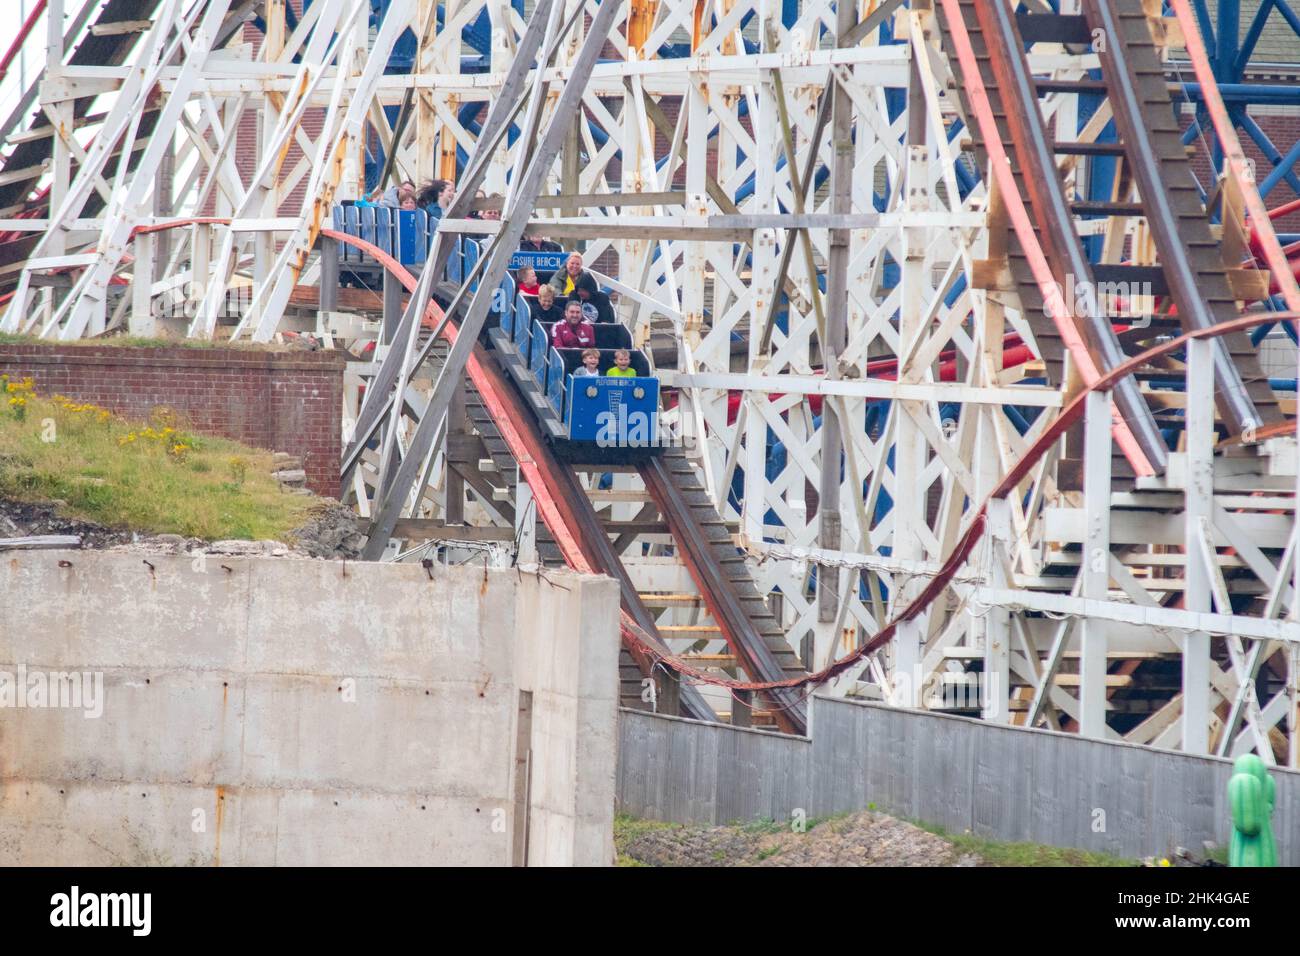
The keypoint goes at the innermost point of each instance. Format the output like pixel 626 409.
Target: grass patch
pixel 1218 855
pixel 761 825
pixel 153 477
pixel 627 829
pixel 829 818
pixel 1000 853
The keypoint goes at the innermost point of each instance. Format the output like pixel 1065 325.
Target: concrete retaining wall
pixel 307 712
pixel 995 781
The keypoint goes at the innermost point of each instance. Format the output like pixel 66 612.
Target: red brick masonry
pixel 281 401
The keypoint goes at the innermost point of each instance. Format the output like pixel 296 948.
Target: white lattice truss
pixel 1195 567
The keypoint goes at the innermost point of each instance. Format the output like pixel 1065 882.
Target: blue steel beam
pixel 1264 143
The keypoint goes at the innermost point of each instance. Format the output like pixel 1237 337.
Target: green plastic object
pixel 1251 793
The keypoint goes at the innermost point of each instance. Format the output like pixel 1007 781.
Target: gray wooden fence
pixel 1002 782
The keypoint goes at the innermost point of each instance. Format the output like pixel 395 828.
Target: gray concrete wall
pixel 569 660
pixel 967 775
pixel 306 712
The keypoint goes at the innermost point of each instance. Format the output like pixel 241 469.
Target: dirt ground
pixel 861 839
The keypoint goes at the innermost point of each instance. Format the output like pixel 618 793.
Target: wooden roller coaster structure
pixel 893 264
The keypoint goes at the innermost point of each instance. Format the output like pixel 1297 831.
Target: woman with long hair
pixel 436 196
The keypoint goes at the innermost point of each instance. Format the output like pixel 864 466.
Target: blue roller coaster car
pixel 603 419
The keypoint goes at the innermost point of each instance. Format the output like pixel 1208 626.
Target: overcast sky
pixel 12 15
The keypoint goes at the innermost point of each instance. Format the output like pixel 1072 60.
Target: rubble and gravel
pixel 862 839
pixel 334 532
pixel 22 519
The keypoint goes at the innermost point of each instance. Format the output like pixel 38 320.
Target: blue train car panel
pixel 367 214
pixel 352 226
pixel 613 412
pixel 555 382
pixel 412 236
pixel 456 265
pixel 505 295
pixel 384 222
pixel 523 327
pixel 537 353
pixel 472 251
pixel 509 316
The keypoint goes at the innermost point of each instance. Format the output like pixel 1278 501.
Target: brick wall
pixel 280 401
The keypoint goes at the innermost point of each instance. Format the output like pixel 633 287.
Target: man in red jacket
pixel 573 332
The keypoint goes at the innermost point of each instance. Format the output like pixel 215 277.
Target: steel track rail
pixel 1061 243
pixel 1135 100
pixel 561 501
pixel 746 643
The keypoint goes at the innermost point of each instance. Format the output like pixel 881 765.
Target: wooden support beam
pixel 120 27
pixel 596 199
pixel 742 708
pixel 432 529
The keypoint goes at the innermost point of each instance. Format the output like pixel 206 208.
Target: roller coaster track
pixel 715 564
pixel 754 635
pixel 1004 72
pixel 990 43
pixel 721 575
pixel 1190 257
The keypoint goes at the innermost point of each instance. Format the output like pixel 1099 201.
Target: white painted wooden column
pixel 909 510
pixel 1095 569
pixel 525 523
pixel 1199 426
pixel 59 111
pixel 354 52
pixel 141 320
pixel 269 121
pixel 502 53
pixel 991 630
pixel 632 253
pixel 767 144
